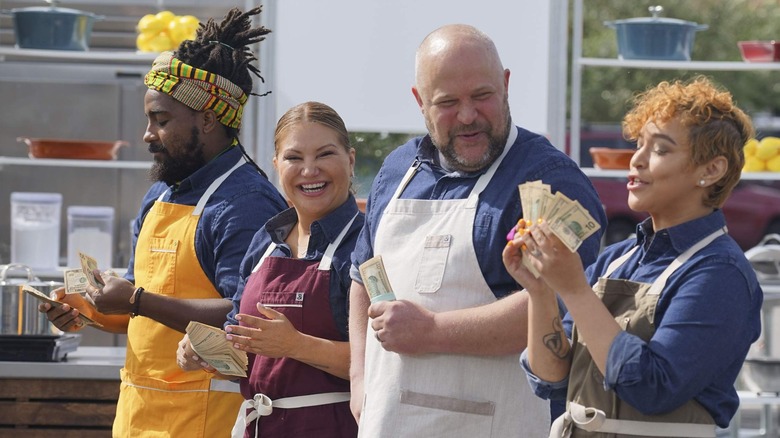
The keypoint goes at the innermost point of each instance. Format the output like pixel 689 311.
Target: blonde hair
pixel 716 126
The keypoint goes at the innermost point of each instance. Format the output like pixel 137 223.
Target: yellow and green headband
pixel 198 89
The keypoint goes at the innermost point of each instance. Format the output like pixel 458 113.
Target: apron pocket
pixel 290 304
pixel 161 267
pixel 430 269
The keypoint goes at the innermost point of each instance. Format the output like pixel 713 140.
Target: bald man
pixel 443 359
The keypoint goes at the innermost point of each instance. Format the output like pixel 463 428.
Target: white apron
pixel 427 250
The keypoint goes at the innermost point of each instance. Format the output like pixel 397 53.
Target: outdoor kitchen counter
pixel 92 363
pixel 73 398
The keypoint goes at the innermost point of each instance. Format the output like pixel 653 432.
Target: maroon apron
pixel 299 289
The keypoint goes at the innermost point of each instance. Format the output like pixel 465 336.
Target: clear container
pixel 35 229
pixel 91 231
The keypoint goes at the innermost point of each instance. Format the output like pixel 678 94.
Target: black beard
pixel 173 168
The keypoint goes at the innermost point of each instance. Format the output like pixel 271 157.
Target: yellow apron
pixel 157 398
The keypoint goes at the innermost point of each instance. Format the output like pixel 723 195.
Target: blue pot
pixel 655 37
pixel 52 28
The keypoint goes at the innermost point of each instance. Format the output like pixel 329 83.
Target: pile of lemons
pixel 763 155
pixel 164 31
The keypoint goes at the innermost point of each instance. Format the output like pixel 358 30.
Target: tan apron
pixel 427 250
pixel 594 412
pixel 157 398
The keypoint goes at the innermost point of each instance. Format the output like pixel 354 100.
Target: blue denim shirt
pixel 323 232
pixel 707 317
pixel 532 157
pixel 233 214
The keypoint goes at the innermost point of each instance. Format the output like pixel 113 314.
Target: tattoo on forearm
pixel 556 341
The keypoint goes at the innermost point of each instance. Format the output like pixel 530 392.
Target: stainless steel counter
pixel 95 363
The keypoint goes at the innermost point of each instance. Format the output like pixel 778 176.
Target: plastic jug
pixel 91 231
pixel 35 229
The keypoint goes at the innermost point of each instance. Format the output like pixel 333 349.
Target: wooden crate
pixel 42 408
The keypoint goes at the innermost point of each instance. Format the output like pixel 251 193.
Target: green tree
pixel 371 148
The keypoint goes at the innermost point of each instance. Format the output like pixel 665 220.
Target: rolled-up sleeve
pixel 542 388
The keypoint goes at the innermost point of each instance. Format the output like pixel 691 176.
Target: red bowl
pixel 760 51
pixel 611 158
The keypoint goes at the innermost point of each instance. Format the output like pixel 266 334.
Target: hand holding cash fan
pixel 567 218
pixel 209 344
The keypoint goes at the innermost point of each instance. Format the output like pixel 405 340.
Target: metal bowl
pixel 74 149
pixel 761 374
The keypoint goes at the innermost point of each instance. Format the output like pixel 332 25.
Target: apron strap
pixel 595 420
pixel 327 258
pixel 267 253
pixel 660 282
pixel 262 406
pixel 213 188
pixel 405 180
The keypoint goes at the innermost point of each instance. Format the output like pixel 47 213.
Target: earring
pixel 702 182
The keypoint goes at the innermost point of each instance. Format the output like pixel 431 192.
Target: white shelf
pixel 679 65
pixel 89 56
pixel 92 164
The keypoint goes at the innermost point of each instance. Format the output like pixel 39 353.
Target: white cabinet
pixel 578 63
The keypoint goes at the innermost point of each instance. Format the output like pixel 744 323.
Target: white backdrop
pixel 358 55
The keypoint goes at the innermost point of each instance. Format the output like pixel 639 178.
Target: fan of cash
pixel 567 218
pixel 209 344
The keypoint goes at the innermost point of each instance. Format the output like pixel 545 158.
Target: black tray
pixel 38 348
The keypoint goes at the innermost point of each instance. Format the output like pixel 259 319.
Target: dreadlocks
pixel 223 49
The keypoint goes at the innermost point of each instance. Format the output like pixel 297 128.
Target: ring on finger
pixel 536 253
pixel 376 335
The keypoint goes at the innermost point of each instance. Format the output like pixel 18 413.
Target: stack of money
pixel 567 218
pixel 209 344
pixel 374 276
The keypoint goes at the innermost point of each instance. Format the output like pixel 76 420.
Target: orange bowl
pixel 73 149
pixel 610 158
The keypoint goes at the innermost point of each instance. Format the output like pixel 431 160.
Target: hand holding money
pixel 210 344
pixel 84 320
pixel 375 280
pixel 567 218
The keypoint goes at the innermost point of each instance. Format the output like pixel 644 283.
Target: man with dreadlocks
pixel 192 231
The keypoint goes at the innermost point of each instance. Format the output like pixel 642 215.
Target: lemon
pixel 142 42
pixel 160 42
pixel 773 164
pixel 191 22
pixel 751 147
pixel 177 31
pixel 767 148
pixel 165 17
pixel 150 24
pixel 753 164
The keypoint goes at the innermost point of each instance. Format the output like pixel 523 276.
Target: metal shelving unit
pixel 579 62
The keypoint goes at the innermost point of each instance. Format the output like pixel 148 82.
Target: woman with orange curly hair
pixel 656 330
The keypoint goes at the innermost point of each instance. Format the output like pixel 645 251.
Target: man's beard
pixel 496 141
pixel 172 168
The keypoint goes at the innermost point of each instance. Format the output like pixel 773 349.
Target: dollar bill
pixel 54 303
pixel 375 280
pixel 574 225
pixel 75 281
pixel 568 219
pixel 209 344
pixel 88 265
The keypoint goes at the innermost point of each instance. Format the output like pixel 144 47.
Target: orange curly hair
pixel 716 126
